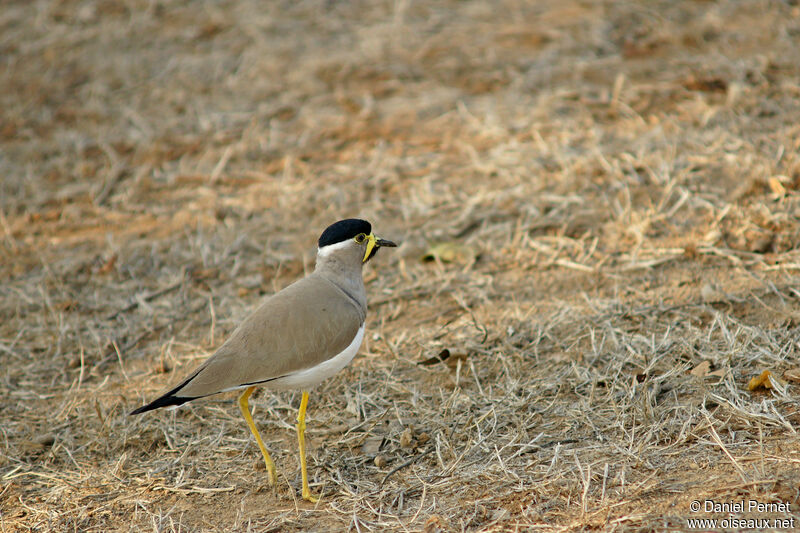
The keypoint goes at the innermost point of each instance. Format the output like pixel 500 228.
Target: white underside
pixel 311 376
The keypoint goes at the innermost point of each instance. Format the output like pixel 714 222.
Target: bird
pixel 296 338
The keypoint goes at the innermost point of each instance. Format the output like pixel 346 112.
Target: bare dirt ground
pixel 617 187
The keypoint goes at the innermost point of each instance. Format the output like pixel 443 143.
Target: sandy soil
pixel 598 208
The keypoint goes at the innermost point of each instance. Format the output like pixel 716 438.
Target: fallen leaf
pixel 372 445
pixel 406 438
pixel 765 380
pixel 793 374
pixel 701 370
pixel 776 186
pixel 449 252
pixel 718 373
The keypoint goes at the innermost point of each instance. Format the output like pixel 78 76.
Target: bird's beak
pixel 373 243
pixel 384 242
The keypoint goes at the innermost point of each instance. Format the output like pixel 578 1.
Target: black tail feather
pixel 165 401
pixel 169 398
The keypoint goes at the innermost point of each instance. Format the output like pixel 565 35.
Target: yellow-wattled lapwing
pixel 299 336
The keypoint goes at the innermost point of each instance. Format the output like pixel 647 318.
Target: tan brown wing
pixel 300 327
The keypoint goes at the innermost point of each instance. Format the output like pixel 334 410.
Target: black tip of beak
pixel 384 242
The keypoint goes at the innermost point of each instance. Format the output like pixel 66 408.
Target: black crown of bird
pixel 344 230
pixel 296 338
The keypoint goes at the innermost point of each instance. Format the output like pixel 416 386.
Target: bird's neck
pixel 345 276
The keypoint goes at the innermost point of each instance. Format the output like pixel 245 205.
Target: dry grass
pixel 621 179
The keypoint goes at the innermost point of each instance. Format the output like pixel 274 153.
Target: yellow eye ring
pixel 360 238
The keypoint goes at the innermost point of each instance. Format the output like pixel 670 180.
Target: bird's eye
pixel 361 237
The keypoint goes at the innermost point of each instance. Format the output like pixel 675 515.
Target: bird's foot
pixel 307 496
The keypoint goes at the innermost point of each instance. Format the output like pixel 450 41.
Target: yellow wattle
pixel 371 242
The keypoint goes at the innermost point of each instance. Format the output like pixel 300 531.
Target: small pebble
pixel 380 461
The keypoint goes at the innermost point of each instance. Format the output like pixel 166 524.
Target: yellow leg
pixel 301 428
pixel 273 478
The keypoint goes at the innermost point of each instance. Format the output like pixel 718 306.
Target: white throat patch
pixel 325 251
